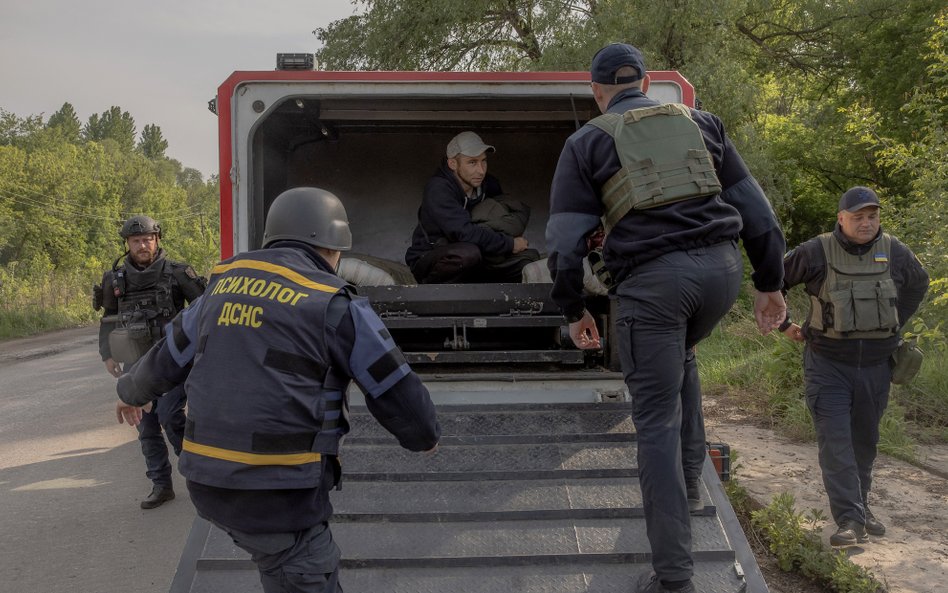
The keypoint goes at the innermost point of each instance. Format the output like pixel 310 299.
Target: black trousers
pixel 167 415
pixel 304 561
pixel 665 307
pixel 461 263
pixel 846 402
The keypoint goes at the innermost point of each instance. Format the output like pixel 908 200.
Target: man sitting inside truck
pixel 447 245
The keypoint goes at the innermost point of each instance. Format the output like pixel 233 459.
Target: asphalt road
pixel 71 478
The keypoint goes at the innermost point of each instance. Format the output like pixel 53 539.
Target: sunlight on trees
pixel 64 193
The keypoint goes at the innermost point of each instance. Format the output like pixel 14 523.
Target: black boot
pixel 695 505
pixel 849 533
pixel 873 525
pixel 648 583
pixel 159 495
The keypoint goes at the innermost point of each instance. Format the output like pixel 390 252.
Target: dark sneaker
pixel 648 583
pixel 849 533
pixel 695 505
pixel 873 525
pixel 159 495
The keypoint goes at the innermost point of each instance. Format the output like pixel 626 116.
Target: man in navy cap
pixel 863 285
pixel 674 198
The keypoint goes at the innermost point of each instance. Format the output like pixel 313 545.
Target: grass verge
pixel 768 370
pixel 793 540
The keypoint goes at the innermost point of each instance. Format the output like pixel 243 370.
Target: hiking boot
pixel 159 495
pixel 695 505
pixel 849 533
pixel 873 525
pixel 648 583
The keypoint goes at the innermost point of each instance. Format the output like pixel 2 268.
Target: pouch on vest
pixel 97 297
pixel 858 298
pixel 598 266
pixel 664 160
pixel 906 361
pixel 128 344
pixel 864 306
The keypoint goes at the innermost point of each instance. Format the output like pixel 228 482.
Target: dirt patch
pixel 913 502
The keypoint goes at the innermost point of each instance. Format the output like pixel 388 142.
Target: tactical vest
pixel 858 298
pixel 269 425
pixel 142 312
pixel 664 160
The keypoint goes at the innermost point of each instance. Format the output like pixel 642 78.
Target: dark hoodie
pixel 589 159
pixel 445 217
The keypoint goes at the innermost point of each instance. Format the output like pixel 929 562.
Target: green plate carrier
pixel 664 160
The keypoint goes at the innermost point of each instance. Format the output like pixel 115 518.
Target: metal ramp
pixel 520 497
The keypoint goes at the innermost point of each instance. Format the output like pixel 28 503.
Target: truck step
pixel 555 578
pixel 562 422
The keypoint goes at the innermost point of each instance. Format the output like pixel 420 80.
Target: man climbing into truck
pixel 674 197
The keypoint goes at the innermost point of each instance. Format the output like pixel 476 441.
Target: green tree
pixel 918 216
pixel 828 64
pixel 189 177
pixel 62 204
pixel 448 35
pixel 67 122
pixel 113 124
pixel 14 129
pixel 866 50
pixel 152 144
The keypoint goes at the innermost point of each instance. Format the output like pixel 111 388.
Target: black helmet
pixel 140 225
pixel 310 215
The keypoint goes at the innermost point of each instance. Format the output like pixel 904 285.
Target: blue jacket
pixel 445 217
pixel 589 159
pixel 267 354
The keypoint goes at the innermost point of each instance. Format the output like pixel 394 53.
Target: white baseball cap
pixel 468 144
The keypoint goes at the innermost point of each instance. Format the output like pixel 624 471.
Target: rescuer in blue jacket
pixel 267 355
pixel 673 206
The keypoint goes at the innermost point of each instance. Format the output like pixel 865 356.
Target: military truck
pixel 534 486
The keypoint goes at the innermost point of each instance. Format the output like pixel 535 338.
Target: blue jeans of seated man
pixel 167 415
pixel 846 402
pixel 665 307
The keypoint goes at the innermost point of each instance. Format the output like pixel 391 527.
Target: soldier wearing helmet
pixel 267 356
pixel 140 294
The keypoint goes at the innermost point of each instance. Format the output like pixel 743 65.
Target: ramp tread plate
pixel 565 456
pixel 710 577
pixel 716 577
pixel 506 420
pixel 518 495
pixel 492 539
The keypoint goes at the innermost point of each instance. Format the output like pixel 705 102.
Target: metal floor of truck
pixel 525 497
